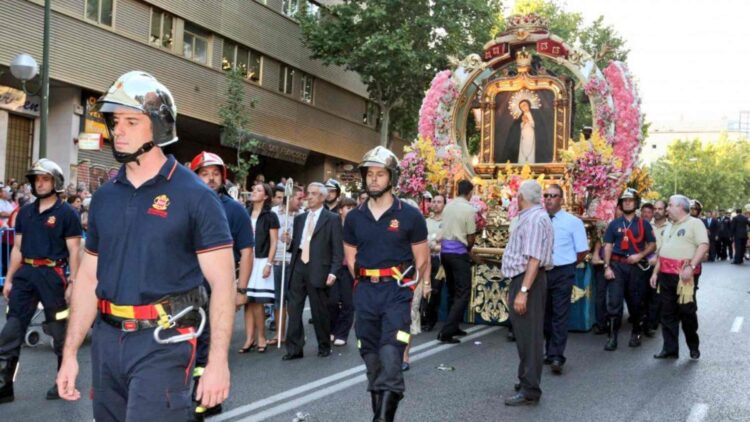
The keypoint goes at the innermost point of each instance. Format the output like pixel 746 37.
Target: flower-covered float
pixel 507 116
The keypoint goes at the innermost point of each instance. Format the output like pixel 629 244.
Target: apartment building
pixel 312 121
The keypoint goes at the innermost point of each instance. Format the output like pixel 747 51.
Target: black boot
pixel 612 341
pixel 52 393
pixel 635 340
pixel 377 400
pixel 388 407
pixel 7 371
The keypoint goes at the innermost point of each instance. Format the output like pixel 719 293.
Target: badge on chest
pixel 393 226
pixel 159 206
pixel 51 221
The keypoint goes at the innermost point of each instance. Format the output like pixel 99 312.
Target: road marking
pixel 737 324
pixel 698 412
pixel 472 332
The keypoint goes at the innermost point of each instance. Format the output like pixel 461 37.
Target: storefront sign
pixel 90 141
pixel 15 100
pixel 94 122
pixel 271 148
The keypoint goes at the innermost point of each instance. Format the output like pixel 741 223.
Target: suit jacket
pixel 725 227
pixel 713 228
pixel 326 246
pixel 739 227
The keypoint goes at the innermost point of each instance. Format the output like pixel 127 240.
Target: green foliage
pixel 396 47
pixel 235 117
pixel 717 174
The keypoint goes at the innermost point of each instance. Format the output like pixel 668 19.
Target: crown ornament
pixel 523 60
pixel 523 25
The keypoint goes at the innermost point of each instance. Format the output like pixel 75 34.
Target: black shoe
pixel 695 354
pixel 427 328
pixel 635 340
pixel 666 355
pixel 7 370
pixel 448 339
pixel 557 367
pixel 388 407
pixel 460 333
pixel 517 386
pixel 511 336
pixel 324 353
pixel 611 344
pixel 52 393
pixel 310 321
pixel 649 332
pixel 519 400
pixel 292 356
pixel 547 361
pixel 200 413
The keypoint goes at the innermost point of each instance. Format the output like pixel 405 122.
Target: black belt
pixel 130 325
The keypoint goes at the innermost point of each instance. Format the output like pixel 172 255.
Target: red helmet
pixel 205 159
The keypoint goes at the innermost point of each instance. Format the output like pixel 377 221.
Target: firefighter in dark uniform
pixel 334 195
pixel 212 170
pixel 48 238
pixel 628 241
pixel 155 232
pixel 383 238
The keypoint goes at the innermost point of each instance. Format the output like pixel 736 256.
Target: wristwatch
pixel 524 289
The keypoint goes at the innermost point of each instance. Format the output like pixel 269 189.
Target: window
pixel 100 11
pixel 290 7
pixel 162 27
pixel 371 113
pixel 195 44
pixel 308 88
pixel 286 79
pixel 247 59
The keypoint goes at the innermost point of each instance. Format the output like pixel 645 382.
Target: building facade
pixel 311 121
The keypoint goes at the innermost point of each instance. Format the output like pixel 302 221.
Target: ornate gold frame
pixel 561 130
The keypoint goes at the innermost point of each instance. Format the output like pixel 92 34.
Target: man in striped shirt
pixel 526 258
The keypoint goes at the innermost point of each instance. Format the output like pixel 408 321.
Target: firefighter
pixel 211 169
pixel 385 243
pixel 48 238
pixel 155 232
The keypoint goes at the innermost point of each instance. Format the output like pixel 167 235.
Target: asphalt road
pixel 625 385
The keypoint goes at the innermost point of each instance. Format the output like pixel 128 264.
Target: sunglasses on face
pixel 551 195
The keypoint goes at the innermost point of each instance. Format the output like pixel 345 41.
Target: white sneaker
pixel 339 342
pixel 332 337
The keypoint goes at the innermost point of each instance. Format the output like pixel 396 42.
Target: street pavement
pixel 625 385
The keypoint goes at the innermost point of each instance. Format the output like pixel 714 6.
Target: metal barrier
pixel 7 235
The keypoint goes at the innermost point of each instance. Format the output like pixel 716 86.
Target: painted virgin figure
pixel 529 136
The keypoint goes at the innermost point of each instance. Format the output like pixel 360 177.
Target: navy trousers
pixel 560 282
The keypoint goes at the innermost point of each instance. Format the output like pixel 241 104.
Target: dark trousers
pixel 383 312
pixel 651 303
pixel 137 379
pixel 600 299
pixel 300 287
pixel 560 282
pixel 628 285
pixel 672 314
pixel 739 249
pixel 341 304
pixel 458 279
pixel 725 248
pixel 32 285
pixel 432 305
pixel 529 331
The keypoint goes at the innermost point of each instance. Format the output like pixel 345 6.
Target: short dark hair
pixel 278 188
pixel 465 187
pixel 738 211
pixel 347 202
pixel 647 206
pixel 556 186
pixel 72 198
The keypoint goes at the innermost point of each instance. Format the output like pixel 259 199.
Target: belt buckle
pixel 374 280
pixel 129 325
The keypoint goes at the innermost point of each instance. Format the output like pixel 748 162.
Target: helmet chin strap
pixel 46 195
pixel 124 158
pixel 377 194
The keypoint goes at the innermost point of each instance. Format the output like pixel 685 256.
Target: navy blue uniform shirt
pixel 386 242
pixel 239 224
pixel 616 231
pixel 44 234
pixel 148 239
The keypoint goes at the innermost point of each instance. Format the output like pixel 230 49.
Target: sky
pixel 691 58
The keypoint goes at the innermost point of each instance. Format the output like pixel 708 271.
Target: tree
pixel 397 46
pixel 235 118
pixel 717 174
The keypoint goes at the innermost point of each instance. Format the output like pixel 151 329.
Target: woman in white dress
pixel 260 289
pixel 526 148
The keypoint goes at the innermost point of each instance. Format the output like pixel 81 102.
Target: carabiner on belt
pixel 172 322
pixel 403 276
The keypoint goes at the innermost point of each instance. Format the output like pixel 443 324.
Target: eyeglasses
pixel 551 195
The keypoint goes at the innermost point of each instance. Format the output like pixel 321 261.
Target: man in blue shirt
pixel 155 232
pixel 570 247
pixel 213 172
pixel 383 238
pixel 628 241
pixel 48 237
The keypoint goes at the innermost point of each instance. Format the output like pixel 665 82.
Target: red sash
pixel 675 266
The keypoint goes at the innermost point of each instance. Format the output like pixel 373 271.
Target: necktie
pixel 308 236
